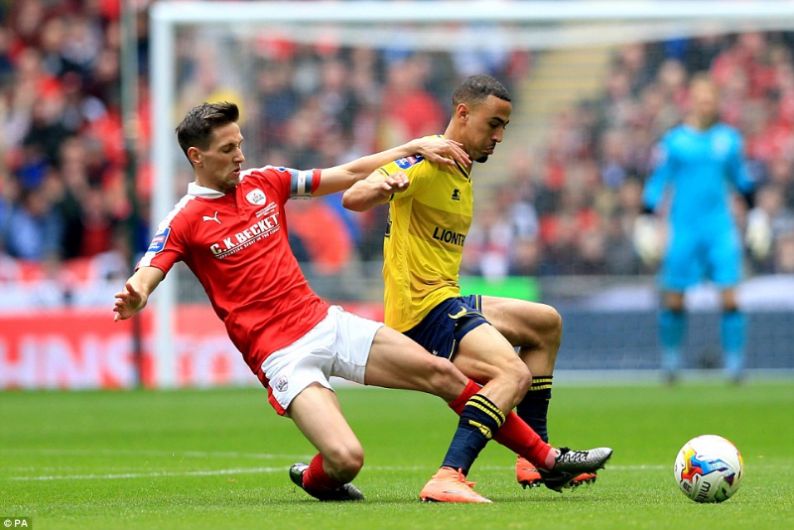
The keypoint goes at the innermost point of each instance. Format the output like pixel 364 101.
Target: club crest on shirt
pixel 159 239
pixel 408 161
pixel 281 384
pixel 256 197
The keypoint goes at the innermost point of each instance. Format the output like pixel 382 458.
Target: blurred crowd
pixel 65 212
pixel 566 208
pixel 570 207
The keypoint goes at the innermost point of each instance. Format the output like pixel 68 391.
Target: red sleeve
pixel 287 182
pixel 274 180
pixel 167 246
pixel 316 175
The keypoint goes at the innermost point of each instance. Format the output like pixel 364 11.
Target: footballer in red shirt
pixel 236 244
pixel 231 231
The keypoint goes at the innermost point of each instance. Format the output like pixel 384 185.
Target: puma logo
pixel 213 218
pixel 460 313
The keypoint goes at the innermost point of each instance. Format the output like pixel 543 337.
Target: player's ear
pixel 462 111
pixel 195 156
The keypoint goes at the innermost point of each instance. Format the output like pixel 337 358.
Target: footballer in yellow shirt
pixel 423 247
pixel 430 211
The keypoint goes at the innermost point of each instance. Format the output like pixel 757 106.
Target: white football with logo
pixel 708 468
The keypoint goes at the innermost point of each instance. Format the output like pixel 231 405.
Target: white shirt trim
pixel 197 190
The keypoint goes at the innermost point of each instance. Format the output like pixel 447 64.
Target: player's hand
pixel 647 239
pixel 758 233
pixel 128 302
pixel 439 150
pixel 393 184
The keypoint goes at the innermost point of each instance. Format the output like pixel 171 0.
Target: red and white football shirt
pixel 236 244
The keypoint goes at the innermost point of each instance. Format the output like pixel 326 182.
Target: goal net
pixel 594 85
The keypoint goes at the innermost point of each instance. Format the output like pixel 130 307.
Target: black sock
pixel 479 421
pixel 534 408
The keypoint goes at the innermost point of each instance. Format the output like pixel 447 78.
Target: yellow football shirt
pixel 423 247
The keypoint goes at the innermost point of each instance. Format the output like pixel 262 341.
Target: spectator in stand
pixel 784 254
pixel 408 109
pixel 770 203
pixel 330 247
pixel 33 229
pixel 9 191
pixel 59 73
pixel 488 243
pixel 781 174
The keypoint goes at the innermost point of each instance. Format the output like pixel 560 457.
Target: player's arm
pixel 377 188
pixel 653 192
pixel 740 174
pixel 435 149
pixel 758 227
pixel 646 234
pixel 133 297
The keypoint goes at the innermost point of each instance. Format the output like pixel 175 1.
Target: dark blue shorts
pixel 444 327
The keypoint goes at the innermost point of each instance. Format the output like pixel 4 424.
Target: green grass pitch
pixel 211 459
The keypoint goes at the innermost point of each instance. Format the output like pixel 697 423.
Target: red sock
pixel 459 402
pixel 515 434
pixel 519 437
pixel 315 477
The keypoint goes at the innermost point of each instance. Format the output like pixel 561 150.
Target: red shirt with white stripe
pixel 236 244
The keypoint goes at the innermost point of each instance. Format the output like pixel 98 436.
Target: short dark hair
pixel 196 128
pixel 476 88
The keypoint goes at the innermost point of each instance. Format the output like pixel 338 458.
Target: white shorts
pixel 337 346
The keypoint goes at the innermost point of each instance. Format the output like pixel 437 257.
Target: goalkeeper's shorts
pixel 693 257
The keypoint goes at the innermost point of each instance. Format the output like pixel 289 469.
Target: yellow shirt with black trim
pixel 423 247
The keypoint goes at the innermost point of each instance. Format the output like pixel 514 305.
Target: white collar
pixel 197 190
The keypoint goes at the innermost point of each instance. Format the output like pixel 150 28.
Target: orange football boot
pixel 450 485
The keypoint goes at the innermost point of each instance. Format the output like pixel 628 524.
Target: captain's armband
pixel 303 183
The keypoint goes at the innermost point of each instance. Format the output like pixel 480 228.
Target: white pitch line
pixel 154 453
pixel 156 474
pixel 264 470
pixel 610 467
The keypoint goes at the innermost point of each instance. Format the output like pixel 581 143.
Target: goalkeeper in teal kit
pixel 700 163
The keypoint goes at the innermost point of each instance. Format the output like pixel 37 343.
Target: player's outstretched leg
pixel 479 419
pixel 569 464
pixel 345 492
pixel 316 412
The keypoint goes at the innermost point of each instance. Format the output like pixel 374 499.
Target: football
pixel 708 468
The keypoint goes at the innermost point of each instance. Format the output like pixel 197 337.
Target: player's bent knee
pixel 555 321
pixel 438 376
pixel 519 374
pixel 344 461
pixel 442 373
pixel 515 378
pixel 549 323
pixel 551 331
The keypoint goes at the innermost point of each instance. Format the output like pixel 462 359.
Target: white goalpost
pixel 443 25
